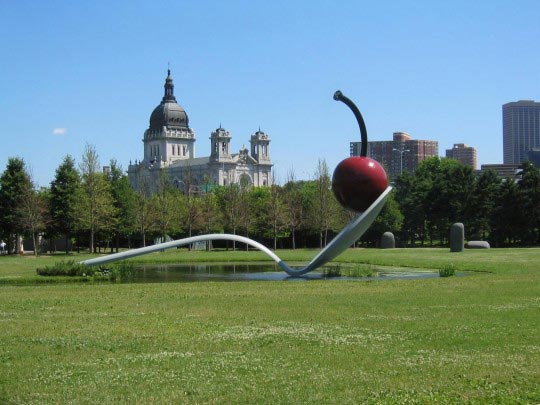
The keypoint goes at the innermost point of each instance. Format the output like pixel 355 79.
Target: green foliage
pixel 447 270
pixel 443 191
pixel 166 210
pixel 14 184
pixel 66 268
pixel 390 219
pixel 63 199
pixel 358 270
pixel 123 200
pixel 294 210
pixel 32 213
pixel 114 271
pixel 95 208
pixel 484 204
pixel 529 185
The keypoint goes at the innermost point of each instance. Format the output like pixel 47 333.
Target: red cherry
pixel 358 181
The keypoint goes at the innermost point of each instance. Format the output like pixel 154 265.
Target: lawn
pixel 457 339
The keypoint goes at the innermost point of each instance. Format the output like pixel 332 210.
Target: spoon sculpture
pixel 359 184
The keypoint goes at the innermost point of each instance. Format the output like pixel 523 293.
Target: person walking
pixel 2 247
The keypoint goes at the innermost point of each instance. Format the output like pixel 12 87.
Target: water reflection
pixel 266 271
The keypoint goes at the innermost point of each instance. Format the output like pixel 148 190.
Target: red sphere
pixel 358 181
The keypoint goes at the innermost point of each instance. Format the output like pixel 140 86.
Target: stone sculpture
pixel 457 237
pixel 388 241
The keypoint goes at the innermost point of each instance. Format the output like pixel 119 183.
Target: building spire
pixel 169 87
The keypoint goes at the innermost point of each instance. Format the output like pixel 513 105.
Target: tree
pixel 323 206
pixel 483 200
pixel 63 200
pixel 276 211
pixel 228 200
pixel 439 194
pixel 411 195
pixel 191 211
pixel 32 213
pixel 390 219
pixel 210 218
pixel 246 211
pixel 292 199
pixel 123 197
pixel 142 208
pixel 14 184
pixel 529 185
pixel 508 218
pixel 95 203
pixel 165 208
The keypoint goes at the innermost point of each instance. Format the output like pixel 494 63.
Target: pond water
pixel 265 271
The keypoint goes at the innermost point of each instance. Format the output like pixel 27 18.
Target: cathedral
pixel 169 149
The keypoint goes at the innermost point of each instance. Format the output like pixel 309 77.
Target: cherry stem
pixel 338 96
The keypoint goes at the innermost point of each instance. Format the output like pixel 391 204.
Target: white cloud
pixel 59 131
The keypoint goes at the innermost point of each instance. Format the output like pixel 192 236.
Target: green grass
pixel 456 339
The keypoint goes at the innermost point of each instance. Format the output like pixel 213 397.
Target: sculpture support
pixel 350 234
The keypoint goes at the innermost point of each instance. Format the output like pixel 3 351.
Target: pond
pixel 266 271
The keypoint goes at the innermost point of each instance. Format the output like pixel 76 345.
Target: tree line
pixel 505 212
pixel 92 209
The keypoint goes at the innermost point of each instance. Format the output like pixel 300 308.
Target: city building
pixel 169 149
pixel 464 154
pixel 533 156
pixel 502 170
pixel 521 130
pixel 398 155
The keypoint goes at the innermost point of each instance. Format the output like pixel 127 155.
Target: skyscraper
pixel 521 130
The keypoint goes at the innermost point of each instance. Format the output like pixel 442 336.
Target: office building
pixel 533 156
pixel 502 170
pixel 521 130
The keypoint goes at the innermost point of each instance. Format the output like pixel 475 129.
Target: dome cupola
pixel 169 113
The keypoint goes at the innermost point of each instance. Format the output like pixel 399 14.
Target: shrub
pixel 332 271
pixel 113 272
pixel 448 270
pixel 67 268
pixel 359 270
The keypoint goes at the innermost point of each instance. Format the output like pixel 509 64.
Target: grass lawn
pixel 457 339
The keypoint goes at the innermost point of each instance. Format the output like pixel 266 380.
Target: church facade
pixel 169 150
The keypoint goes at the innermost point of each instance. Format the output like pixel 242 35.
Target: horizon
pixel 93 73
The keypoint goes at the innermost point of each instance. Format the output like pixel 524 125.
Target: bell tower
pixel 220 145
pixel 260 147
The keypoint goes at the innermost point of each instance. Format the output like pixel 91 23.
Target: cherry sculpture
pixel 358 180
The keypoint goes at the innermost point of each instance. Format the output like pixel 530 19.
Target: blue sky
pixel 77 72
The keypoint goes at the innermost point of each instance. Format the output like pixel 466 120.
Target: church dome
pixel 169 113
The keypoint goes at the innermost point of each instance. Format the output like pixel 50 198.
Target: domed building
pixel 169 148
